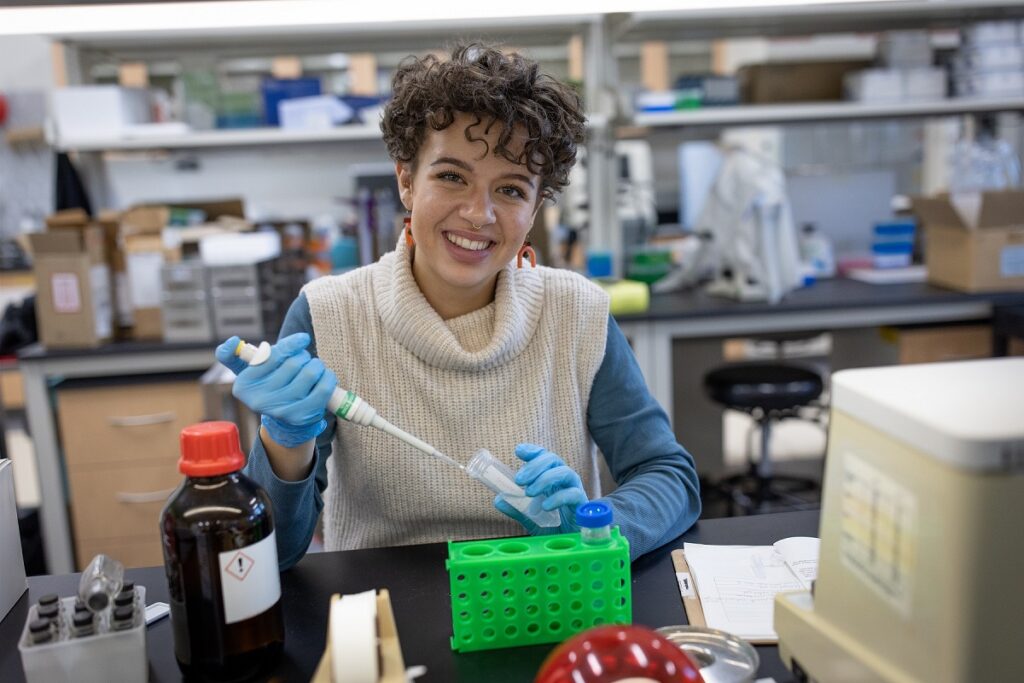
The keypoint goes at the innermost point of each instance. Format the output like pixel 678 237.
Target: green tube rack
pixel 516 591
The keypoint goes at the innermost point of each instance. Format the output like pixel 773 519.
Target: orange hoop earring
pixel 526 251
pixel 408 232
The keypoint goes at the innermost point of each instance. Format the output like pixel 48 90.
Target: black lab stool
pixel 769 392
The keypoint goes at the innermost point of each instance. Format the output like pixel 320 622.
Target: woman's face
pixel 456 186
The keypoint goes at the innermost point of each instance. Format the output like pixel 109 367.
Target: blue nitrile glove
pixel 545 474
pixel 290 390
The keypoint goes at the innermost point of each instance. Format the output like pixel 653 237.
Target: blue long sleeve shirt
pixel 657 498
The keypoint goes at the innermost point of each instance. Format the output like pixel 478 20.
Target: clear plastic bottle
pixel 595 522
pixel 498 477
pixel 816 251
pixel 220 555
pixel 100 582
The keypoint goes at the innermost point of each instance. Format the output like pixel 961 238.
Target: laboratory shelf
pixel 223 138
pixel 762 114
pixel 728 20
pixel 310 24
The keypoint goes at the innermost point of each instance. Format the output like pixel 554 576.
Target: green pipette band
pixel 343 409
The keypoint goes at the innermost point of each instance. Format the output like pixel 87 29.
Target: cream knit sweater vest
pixel 517 370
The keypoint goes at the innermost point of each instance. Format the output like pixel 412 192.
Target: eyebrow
pixel 466 167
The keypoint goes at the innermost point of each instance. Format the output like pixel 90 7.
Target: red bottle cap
pixel 209 449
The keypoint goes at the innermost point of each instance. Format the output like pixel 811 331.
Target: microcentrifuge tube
pixel 498 477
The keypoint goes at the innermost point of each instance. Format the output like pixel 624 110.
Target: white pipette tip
pixel 253 355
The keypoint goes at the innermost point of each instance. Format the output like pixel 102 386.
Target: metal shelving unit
pixel 806 19
pixel 769 114
pixel 223 138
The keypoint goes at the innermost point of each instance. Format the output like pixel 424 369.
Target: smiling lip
pixel 467 255
pixel 471 236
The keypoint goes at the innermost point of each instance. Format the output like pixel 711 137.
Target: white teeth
pixel 466 244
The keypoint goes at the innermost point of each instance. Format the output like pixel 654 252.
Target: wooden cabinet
pixel 121 456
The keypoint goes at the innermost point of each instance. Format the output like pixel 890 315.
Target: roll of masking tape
pixel 626 296
pixel 354 639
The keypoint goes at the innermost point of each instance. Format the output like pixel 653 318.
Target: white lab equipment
pixel 921 545
pixel 634 193
pixel 752 248
pixel 12 565
pixel 498 477
pixel 749 216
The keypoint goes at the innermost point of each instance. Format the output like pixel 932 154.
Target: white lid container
pixel 239 249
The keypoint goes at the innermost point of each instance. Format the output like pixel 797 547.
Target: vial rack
pixel 108 655
pixel 516 591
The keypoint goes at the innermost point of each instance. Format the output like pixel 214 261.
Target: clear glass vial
pixel 101 581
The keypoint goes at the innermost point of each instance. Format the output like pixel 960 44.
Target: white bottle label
pixel 249 579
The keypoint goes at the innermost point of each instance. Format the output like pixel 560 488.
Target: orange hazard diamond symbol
pixel 240 566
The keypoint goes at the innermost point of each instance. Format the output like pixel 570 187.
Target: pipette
pixel 348 406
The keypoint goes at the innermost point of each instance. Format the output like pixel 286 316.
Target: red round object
pixel 607 654
pixel 3 109
pixel 209 449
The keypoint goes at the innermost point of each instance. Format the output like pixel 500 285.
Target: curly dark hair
pixel 506 89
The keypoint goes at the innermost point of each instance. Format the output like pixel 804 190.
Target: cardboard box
pixel 144 258
pixel 73 303
pixel 142 235
pixel 974 255
pixel 152 218
pixel 108 222
pixel 795 81
pixel 938 344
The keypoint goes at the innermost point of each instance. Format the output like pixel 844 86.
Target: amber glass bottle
pixel 220 554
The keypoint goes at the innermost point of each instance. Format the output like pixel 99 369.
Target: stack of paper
pixel 737 584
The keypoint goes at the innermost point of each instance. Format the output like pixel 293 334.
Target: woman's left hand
pixel 546 474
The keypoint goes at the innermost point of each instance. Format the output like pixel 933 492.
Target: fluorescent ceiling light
pixel 268 15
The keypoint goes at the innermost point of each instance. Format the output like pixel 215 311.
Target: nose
pixel 479 208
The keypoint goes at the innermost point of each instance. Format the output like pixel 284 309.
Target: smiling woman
pixel 460 340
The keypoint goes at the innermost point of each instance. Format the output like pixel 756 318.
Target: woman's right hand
pixel 291 388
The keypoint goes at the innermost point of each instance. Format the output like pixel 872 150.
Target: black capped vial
pixel 39 631
pixel 124 599
pixel 83 624
pixel 48 611
pixel 49 599
pixel 124 618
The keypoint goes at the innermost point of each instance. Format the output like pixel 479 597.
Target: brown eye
pixel 513 191
pixel 449 176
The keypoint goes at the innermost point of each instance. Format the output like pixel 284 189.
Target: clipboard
pixel 691 599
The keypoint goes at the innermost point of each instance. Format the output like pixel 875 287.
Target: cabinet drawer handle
pixel 141 420
pixel 145 497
